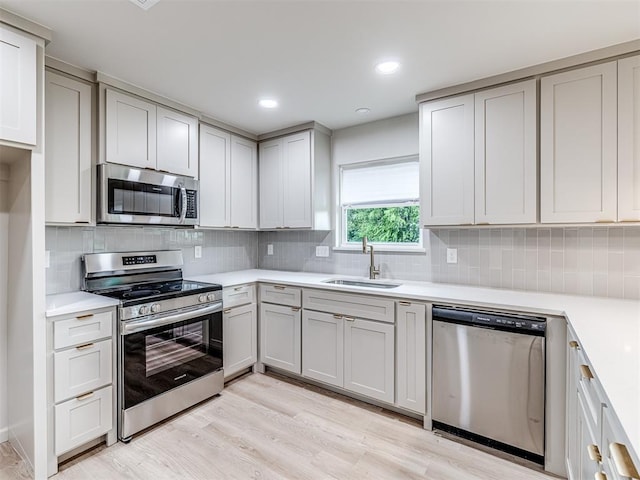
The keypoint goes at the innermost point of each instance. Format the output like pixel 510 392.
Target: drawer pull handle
pixel 573 344
pixel 279 287
pixel 585 371
pixel 295 309
pixel 594 453
pixel 622 460
pixel 605 221
pixel 337 317
pixel 237 289
pixel 85 396
pixel 227 311
pixel 600 476
pixel 629 220
pixel 350 319
pixel 85 346
pixel 405 304
pixel 84 317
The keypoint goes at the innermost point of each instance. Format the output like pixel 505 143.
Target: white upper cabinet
pixel 215 165
pixel 446 161
pixel 578 143
pixel 506 154
pixel 68 144
pixel 177 142
pixel 229 180
pixel 18 87
pixel 130 131
pixel 295 181
pixel 244 183
pixel 141 134
pixel 629 139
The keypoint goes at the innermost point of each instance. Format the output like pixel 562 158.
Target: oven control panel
pixel 139 260
pixel 160 307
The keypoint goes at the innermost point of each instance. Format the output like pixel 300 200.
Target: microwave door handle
pixel 183 204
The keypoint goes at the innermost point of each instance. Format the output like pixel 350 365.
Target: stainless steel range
pixel 170 334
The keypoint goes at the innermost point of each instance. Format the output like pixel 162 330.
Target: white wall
pixel 4 241
pixel 388 138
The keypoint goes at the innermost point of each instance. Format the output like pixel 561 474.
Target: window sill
pixel 380 248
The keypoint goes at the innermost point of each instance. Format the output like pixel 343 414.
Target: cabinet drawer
pixel 82 329
pixel 240 295
pixel 82 369
pixel 360 306
pixel 82 419
pixel 281 295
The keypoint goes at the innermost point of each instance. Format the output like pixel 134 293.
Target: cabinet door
pixel 280 340
pixel 270 159
pixel 215 168
pixel 323 347
pixel 629 139
pixel 68 128
pixel 240 332
pixel 82 369
pixel 411 354
pixel 296 188
pixel 587 466
pixel 244 183
pixel 446 161
pixel 177 142
pixel 578 158
pixel 18 91
pixel 130 131
pixel 369 358
pixel 572 437
pixel 82 419
pixel 506 154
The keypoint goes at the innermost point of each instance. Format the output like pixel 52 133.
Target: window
pixel 380 200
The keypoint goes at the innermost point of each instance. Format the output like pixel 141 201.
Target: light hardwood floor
pixel 270 427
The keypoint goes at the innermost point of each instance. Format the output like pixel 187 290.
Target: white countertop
pixel 608 329
pixel 76 302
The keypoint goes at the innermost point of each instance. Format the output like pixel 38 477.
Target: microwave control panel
pixel 192 204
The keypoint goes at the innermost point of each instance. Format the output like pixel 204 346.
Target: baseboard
pixel 4 434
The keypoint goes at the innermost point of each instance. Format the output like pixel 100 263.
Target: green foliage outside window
pixel 384 224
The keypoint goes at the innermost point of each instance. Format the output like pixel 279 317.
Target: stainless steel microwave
pixel 139 196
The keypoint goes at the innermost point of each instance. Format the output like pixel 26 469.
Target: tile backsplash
pixel 598 260
pixel 222 251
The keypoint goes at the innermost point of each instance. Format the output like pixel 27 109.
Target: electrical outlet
pixel 322 251
pixel 270 249
pixel 197 251
pixel 47 259
pixel 452 255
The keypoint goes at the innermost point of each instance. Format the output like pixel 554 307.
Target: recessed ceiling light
pixel 268 103
pixel 387 68
pixel 363 110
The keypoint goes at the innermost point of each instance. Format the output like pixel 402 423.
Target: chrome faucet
pixel 373 271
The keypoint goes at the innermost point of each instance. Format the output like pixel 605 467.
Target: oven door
pixel 162 353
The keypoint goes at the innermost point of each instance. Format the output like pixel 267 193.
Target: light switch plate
pixel 270 249
pixel 322 251
pixel 452 255
pixel 197 251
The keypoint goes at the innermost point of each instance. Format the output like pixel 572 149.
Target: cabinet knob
pixel 622 460
pixel 594 453
pixel 573 344
pixel 585 371
pixel 600 476
pixel 226 311
pixel 337 317
pixel 295 309
pixel 350 319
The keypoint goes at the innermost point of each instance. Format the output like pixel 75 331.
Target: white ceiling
pixel 317 57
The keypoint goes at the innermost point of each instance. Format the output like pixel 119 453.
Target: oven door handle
pixel 183 204
pixel 127 328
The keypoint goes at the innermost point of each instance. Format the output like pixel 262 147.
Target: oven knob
pixel 202 298
pixel 155 308
pixel 211 297
pixel 144 310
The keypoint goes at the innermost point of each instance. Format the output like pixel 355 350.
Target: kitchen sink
pixel 362 283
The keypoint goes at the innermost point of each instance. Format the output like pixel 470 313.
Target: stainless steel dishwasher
pixel 489 379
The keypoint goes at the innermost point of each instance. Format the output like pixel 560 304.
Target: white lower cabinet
pixel 323 347
pixel 369 359
pixel 280 342
pixel 81 369
pixel 411 348
pixel 240 331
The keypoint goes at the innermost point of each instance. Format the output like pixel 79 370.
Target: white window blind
pixel 382 183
